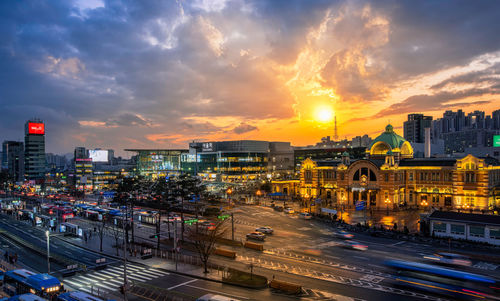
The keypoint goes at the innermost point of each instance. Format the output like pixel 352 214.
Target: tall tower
pixel 335 135
pixel 34 150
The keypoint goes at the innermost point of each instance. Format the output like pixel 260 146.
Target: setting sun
pixel 324 114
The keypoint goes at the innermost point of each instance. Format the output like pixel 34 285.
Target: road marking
pixel 184 283
pixel 136 278
pixel 398 243
pixel 213 291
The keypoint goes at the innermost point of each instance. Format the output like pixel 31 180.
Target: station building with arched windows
pixel 389 177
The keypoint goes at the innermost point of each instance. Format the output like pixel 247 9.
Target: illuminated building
pixel 34 151
pixel 390 178
pixel 238 160
pixel 158 162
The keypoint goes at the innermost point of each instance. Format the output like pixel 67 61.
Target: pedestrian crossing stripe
pixel 142 277
pixel 137 279
pixel 112 277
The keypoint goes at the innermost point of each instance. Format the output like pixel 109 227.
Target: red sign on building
pixel 36 128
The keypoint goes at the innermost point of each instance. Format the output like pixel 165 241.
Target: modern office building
pixel 34 151
pixel 158 162
pixel 414 127
pixel 13 159
pixel 229 160
pixel 391 178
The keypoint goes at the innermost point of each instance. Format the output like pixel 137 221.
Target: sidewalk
pixel 93 244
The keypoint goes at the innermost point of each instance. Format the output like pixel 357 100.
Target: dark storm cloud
pixel 153 66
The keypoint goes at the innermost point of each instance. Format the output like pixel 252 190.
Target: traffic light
pixel 153 236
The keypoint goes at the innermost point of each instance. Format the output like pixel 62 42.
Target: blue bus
pixel 77 296
pixel 444 281
pixel 24 297
pixel 21 281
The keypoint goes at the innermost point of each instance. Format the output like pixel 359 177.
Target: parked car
pixel 449 259
pixel 305 215
pixel 288 210
pixel 343 235
pixel 354 245
pixel 208 225
pixel 256 235
pixel 265 230
pixel 278 208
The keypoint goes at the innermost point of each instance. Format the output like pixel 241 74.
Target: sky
pixel 159 74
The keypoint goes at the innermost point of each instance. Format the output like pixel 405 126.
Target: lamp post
pixel 259 193
pixel 387 205
pixel 228 192
pixel 47 233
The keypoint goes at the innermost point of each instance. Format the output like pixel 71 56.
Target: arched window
pixel 373 177
pixel 356 176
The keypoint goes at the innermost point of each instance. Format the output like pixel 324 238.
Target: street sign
pixel 496 140
pixel 360 205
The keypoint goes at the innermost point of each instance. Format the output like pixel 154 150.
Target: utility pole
pixel 47 233
pixel 175 243
pixel 124 256
pixel 232 226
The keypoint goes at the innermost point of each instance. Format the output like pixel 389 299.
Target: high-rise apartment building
pixel 414 127
pixel 13 159
pixel 34 150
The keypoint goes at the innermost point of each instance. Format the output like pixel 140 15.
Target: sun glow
pixel 324 114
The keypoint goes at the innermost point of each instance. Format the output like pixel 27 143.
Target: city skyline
pixel 111 75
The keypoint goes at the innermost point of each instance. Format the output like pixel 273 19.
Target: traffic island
pixel 245 279
pixel 254 246
pixel 286 287
pixel 225 253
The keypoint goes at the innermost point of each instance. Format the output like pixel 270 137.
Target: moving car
pixel 212 297
pixel 343 235
pixel 265 230
pixel 354 245
pixel 449 259
pixel 256 235
pixel 305 215
pixel 288 210
pixel 278 208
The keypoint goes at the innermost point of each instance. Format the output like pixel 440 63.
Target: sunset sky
pixel 157 74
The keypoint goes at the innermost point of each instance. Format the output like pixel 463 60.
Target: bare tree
pixel 204 239
pixel 116 231
pixel 99 226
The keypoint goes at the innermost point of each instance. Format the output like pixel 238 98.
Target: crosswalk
pixel 111 278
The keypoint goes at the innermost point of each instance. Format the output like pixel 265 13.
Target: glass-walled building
pixel 158 162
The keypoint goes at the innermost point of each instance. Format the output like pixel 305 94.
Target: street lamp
pixel 47 233
pixel 228 192
pixel 387 205
pixel 259 193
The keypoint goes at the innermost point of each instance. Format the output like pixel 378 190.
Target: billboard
pixel 36 128
pixel 496 140
pixel 98 155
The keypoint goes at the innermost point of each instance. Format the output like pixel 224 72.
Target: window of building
pixel 342 176
pixel 457 229
pixel 440 227
pixel 447 200
pixel 421 176
pixel 435 200
pixel 495 233
pixel 411 196
pixel 476 231
pixel 410 176
pixel 387 177
pixel 356 176
pixel 308 175
pixel 373 177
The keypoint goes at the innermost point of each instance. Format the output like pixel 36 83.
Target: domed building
pixel 389 178
pixel 389 141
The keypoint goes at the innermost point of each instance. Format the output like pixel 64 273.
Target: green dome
pixel 390 138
